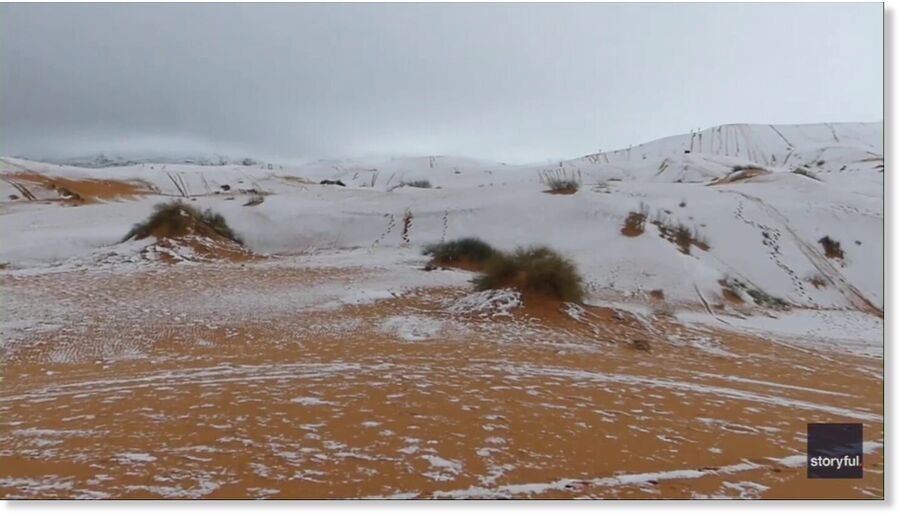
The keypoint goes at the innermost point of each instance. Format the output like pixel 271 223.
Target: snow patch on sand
pixel 442 470
pixel 487 303
pixel 311 401
pixel 134 457
pixel 413 328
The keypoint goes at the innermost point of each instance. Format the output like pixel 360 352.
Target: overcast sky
pixel 516 83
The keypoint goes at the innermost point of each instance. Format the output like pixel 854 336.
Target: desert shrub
pixel 174 219
pixel 418 183
pixel 683 237
pixel 635 221
pixel 680 234
pixel 832 247
pixel 562 185
pixel 764 299
pixel 560 182
pixel 472 250
pixel 817 280
pixel 535 269
pixel 759 297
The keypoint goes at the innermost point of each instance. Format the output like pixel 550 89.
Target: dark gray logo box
pixel 834 450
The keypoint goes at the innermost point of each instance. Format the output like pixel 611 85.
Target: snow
pixel 507 207
pixel 746 490
pixel 510 209
pixel 310 401
pixel 840 330
pixel 442 469
pixel 413 328
pixel 763 231
pixel 487 303
pixel 133 457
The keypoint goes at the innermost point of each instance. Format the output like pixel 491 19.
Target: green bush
pixel 175 219
pixel 534 269
pixel 464 249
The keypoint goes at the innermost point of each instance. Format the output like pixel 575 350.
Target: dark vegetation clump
pixel 764 299
pixel 759 297
pixel 635 222
pixel 832 248
pixel 680 234
pixel 538 270
pixel 562 185
pixel 560 182
pixel 817 280
pixel 472 251
pixel 419 183
pixel 176 219
pixel 800 171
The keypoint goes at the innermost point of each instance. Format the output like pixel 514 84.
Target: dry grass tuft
pixel 534 270
pixel 759 297
pixel 635 222
pixel 680 234
pixel 832 248
pixel 470 253
pixel 561 182
pixel 176 219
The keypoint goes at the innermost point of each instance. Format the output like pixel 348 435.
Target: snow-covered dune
pixel 762 144
pixel 763 229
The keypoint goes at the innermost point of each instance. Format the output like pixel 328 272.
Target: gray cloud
pixel 502 81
